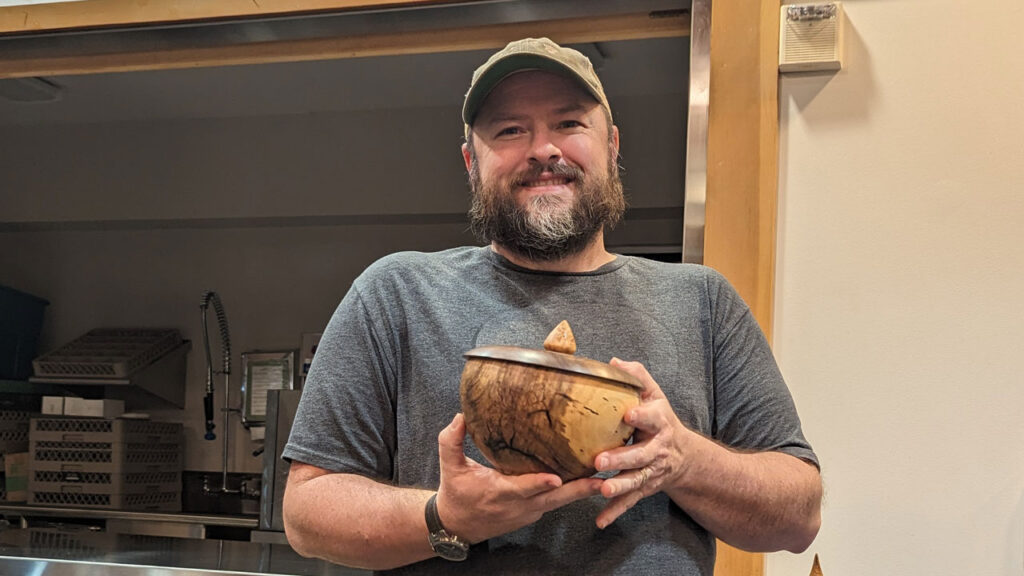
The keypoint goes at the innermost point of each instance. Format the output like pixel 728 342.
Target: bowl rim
pixel 556 361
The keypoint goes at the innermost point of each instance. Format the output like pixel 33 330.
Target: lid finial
pixel 561 339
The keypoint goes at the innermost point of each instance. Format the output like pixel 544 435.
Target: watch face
pixel 451 550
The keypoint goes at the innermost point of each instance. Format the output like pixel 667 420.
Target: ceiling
pixel 627 68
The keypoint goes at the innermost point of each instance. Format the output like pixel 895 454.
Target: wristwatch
pixel 445 545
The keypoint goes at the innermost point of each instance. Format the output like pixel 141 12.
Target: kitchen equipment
pixel 145 367
pixel 211 297
pixel 263 371
pixel 545 411
pixel 103 463
pixel 281 408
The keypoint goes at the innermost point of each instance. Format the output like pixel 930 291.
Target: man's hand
pixel 656 457
pixel 476 502
pixel 758 501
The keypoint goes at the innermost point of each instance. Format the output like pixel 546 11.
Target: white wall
pixel 899 322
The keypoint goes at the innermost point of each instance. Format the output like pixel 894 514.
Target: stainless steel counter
pixel 59 553
pixel 64 512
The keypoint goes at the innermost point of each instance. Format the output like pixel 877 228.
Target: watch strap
pixel 433 518
pixel 445 545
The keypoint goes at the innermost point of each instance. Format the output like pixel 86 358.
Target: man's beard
pixel 550 227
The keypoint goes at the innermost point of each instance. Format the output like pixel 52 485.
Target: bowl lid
pixel 556 361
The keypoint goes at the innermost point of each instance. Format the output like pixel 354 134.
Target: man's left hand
pixel 655 459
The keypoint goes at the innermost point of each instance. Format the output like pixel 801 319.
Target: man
pixel 382 476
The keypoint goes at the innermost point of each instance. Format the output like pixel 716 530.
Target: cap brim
pixel 503 69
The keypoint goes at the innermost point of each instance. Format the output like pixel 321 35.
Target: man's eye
pixel 510 131
pixel 571 124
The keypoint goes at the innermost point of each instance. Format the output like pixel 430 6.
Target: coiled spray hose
pixel 225 339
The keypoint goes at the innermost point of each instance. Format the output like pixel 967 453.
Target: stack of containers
pixel 115 464
pixel 13 446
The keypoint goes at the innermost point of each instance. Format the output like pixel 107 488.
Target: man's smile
pixel 545 183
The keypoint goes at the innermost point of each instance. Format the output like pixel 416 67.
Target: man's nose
pixel 543 149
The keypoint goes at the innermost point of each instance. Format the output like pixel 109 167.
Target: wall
pixel 899 322
pixel 128 223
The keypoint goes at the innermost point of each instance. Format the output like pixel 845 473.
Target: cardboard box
pixel 53 405
pixel 93 408
pixel 16 476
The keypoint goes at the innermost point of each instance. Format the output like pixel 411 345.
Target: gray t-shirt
pixel 385 381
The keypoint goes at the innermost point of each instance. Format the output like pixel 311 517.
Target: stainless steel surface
pixel 171 529
pixel 65 512
pixel 200 35
pixel 268 537
pixel 64 553
pixel 281 408
pixel 697 132
pixel 555 361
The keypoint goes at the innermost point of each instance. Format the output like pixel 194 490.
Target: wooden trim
pixel 743 150
pixel 114 13
pixel 735 562
pixel 594 29
pixel 742 186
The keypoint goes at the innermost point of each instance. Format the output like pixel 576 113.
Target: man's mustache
pixel 556 169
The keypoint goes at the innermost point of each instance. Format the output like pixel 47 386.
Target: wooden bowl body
pixel 527 418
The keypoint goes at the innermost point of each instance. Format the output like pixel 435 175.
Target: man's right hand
pixel 476 503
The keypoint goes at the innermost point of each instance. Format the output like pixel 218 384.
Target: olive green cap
pixel 530 54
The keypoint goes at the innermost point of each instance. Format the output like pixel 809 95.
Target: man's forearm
pixel 756 501
pixel 352 520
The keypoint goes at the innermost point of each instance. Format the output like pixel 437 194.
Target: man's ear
pixel 615 139
pixel 465 156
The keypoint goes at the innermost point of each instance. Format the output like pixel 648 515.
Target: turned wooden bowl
pixel 531 410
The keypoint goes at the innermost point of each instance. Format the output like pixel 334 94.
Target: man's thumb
pixel 450 440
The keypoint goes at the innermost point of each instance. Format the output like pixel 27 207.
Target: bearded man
pixel 382 476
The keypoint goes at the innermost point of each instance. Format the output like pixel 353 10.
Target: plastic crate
pixel 155 501
pixel 116 447
pixel 70 429
pixel 13 431
pixel 21 319
pixel 107 353
pixel 13 440
pixel 104 482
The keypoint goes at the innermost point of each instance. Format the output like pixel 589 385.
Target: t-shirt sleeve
pixel 753 408
pixel 345 419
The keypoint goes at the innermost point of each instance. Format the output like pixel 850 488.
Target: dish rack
pixel 13 431
pixel 99 463
pixel 136 365
pixel 13 439
pixel 107 353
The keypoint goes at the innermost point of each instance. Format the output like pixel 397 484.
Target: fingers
pixel 651 388
pixel 530 485
pixel 617 507
pixel 624 491
pixel 645 479
pixel 623 458
pixel 570 492
pixel 450 443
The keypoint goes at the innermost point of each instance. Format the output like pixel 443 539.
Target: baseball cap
pixel 530 54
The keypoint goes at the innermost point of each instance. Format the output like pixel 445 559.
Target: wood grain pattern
pixel 561 339
pixel 594 29
pixel 531 419
pixel 111 13
pixel 742 182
